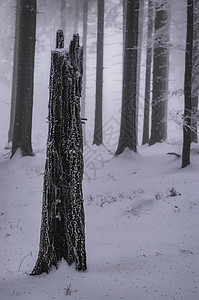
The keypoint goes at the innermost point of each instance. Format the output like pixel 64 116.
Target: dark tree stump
pixel 63 227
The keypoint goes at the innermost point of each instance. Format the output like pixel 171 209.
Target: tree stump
pixel 63 226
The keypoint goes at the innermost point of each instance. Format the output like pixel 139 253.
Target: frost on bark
pixel 62 232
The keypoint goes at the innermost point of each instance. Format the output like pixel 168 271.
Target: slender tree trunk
pixel 160 74
pixel 25 77
pixel 188 87
pixel 128 136
pixel 14 76
pixel 97 140
pixel 195 72
pixel 167 41
pixel 124 23
pixel 140 31
pixel 83 99
pixel 62 232
pixel 145 138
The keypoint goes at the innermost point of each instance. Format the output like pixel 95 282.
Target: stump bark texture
pixel 63 224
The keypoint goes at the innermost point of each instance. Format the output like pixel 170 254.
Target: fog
pixel 112 76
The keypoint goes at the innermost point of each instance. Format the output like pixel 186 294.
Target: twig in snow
pixel 184 251
pixel 132 211
pixel 30 254
pixel 173 153
pixel 69 291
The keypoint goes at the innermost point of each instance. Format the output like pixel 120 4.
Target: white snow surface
pixel 142 242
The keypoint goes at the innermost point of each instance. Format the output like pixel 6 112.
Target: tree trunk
pixel 188 87
pixel 128 136
pixel 25 77
pixel 195 72
pixel 139 55
pixel 14 76
pixel 83 98
pixel 97 140
pixel 145 138
pixel 124 23
pixel 160 74
pixel 63 227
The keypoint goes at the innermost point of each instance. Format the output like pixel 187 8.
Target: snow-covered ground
pixel 141 228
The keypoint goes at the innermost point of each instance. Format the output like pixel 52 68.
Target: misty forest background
pixel 161 47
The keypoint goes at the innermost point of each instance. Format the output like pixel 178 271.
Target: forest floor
pixel 142 220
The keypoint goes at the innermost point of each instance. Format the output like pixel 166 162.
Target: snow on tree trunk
pixel 63 227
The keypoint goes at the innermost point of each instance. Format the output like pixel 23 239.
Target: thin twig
pixel 30 254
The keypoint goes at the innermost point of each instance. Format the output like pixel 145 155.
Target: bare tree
pixel 128 136
pixel 83 98
pixel 195 72
pixel 139 54
pixel 188 87
pixel 160 73
pixel 14 76
pixel 25 77
pixel 98 139
pixel 145 137
pixel 124 23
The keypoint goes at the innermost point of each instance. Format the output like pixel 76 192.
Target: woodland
pixel 99 149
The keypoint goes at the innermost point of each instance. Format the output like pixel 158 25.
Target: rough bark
pixel 145 137
pixel 98 139
pixel 160 73
pixel 188 87
pixel 25 77
pixel 63 227
pixel 128 130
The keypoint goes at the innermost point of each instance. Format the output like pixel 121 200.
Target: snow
pixel 142 243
